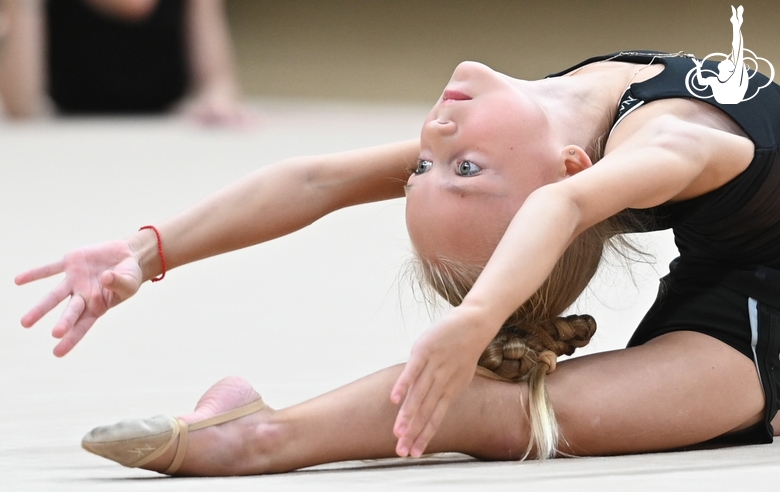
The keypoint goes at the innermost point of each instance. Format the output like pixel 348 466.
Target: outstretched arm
pixel 271 202
pixel 277 200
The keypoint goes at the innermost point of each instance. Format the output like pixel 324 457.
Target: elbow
pixel 305 174
pixel 304 171
pixel 319 182
pixel 671 134
pixel 560 205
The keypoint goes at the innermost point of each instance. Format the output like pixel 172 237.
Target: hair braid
pixel 516 350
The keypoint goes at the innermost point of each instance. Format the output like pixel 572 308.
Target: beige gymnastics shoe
pixel 136 442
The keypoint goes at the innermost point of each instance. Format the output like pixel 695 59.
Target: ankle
pixel 267 446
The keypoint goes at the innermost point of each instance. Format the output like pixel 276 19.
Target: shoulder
pixel 693 134
pixel 665 152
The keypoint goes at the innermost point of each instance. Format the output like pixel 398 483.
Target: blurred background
pixel 404 50
pixel 390 50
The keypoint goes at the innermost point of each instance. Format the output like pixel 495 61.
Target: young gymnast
pixel 508 213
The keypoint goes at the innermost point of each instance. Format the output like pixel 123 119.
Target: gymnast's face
pixel 483 150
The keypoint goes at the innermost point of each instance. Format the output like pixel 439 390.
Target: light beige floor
pixel 296 317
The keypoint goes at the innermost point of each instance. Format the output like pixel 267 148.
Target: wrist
pixel 483 326
pixel 145 245
pixel 492 308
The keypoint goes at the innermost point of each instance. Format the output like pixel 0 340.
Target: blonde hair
pixel 526 347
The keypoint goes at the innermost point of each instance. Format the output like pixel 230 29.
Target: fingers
pixel 41 272
pixel 411 406
pixel 49 302
pixel 418 405
pixel 409 390
pixel 69 318
pixel 97 278
pixel 410 373
pixel 74 336
pixel 426 409
pixel 73 325
pixel 427 385
pixel 422 441
pixel 120 285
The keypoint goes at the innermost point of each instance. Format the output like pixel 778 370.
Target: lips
pixel 453 95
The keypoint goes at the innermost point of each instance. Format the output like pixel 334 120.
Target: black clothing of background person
pixel 99 64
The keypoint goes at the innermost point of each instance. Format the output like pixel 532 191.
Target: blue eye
pixel 423 166
pixel 468 168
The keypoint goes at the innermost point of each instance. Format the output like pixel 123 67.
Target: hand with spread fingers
pixel 97 278
pixel 441 365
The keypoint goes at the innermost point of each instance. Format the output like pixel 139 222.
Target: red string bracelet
pixel 159 250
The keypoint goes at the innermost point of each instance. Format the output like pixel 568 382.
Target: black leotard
pixel 726 281
pixel 733 226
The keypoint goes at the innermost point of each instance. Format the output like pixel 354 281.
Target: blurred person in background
pixel 118 57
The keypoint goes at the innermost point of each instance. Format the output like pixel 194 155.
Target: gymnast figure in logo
pixel 730 85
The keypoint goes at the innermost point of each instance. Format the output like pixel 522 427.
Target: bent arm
pixel 665 161
pixel 22 58
pixel 277 200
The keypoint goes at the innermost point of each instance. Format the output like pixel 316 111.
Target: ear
pixel 575 159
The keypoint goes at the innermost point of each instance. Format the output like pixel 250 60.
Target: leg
pixel 679 389
pixel 352 422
